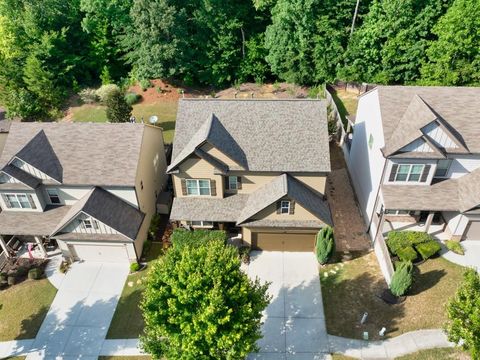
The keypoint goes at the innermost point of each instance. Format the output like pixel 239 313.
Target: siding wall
pixel 270 213
pixel 418 145
pixel 38 201
pixel 463 164
pixel 439 137
pixel 391 162
pixel 218 155
pixel 31 170
pixel 75 226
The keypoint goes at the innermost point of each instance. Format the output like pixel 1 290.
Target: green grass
pixel 353 289
pixel 346 103
pixel 23 308
pixel 436 354
pixel 165 110
pixel 341 357
pixel 144 357
pixel 127 322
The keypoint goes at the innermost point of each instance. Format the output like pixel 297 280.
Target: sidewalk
pixel 471 257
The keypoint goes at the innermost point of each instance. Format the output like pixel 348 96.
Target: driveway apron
pixel 80 315
pixel 294 322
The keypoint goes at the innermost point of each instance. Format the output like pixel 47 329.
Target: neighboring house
pixel 256 168
pixel 90 187
pixel 4 128
pixel 415 160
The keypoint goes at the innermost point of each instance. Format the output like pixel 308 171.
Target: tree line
pixel 50 49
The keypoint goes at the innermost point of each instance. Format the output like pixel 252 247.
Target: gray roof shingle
pixel 109 209
pixel 260 135
pixel 88 153
pixel 405 109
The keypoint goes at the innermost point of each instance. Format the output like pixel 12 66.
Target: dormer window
pixel 285 207
pixel 232 183
pixel 53 196
pixel 89 224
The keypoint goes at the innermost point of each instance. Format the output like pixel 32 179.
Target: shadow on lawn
pixel 425 281
pixel 347 298
pixel 127 321
pixel 167 125
pixel 30 326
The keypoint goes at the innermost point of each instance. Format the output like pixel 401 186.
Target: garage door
pixel 473 231
pixel 283 241
pixel 101 253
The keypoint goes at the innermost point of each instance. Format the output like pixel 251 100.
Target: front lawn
pixel 127 322
pixel 165 110
pixel 140 357
pixel 23 308
pixel 349 289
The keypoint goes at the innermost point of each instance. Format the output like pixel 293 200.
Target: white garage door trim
pixel 473 230
pixel 100 252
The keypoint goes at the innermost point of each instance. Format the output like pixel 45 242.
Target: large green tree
pixel 199 41
pixel 454 58
pixel 463 312
pixel 45 53
pixel 198 304
pixel 391 44
pixel 118 110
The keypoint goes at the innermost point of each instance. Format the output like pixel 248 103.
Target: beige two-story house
pixel 256 168
pixel 89 189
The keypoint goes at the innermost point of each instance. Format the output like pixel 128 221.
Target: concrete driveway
pixel 294 322
pixel 80 315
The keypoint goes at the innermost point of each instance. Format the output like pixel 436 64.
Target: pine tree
pixel 117 108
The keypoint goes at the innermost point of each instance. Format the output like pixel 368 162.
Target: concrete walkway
pixel 52 270
pixel 80 315
pixel 471 257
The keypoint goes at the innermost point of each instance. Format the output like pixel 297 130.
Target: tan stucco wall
pixel 219 155
pixel 151 171
pixel 196 168
pixel 270 213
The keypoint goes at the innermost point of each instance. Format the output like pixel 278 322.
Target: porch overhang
pixel 32 223
pixel 284 224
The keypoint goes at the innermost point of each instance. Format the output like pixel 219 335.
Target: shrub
pixel 132 98
pixel 182 237
pixel 3 277
pixel 455 246
pixel 22 271
pixel 11 280
pixel 332 127
pixel 407 254
pixel 117 108
pixel 147 245
pixel 428 249
pixel 402 279
pixel 244 253
pixel 154 225
pixel 134 267
pixel 105 91
pixel 401 239
pixel 324 244
pixel 35 273
pixel 145 84
pixel 63 268
pixel 88 96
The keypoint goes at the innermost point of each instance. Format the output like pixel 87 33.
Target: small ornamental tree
pixel 463 311
pixel 402 279
pixel 324 244
pixel 117 108
pixel 198 304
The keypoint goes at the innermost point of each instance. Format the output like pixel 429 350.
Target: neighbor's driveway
pixel 294 323
pixel 80 315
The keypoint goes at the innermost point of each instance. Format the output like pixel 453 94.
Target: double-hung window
pixel 18 201
pixel 232 183
pixel 89 224
pixel 409 173
pixel 53 195
pixel 442 168
pixel 284 207
pixel 198 187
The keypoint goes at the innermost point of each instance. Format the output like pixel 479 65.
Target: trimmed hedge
pixel 402 279
pixel 428 249
pixel 407 254
pixel 183 237
pixel 35 274
pixel 402 239
pixel 134 267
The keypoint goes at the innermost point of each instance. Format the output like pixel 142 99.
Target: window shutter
pixel 213 188
pixel 393 172
pixel 292 207
pixel 239 182
pixel 31 201
pixel 7 202
pixel 184 187
pixel 227 183
pixel 426 171
pixel 279 207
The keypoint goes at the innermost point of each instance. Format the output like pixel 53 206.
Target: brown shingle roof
pixel 88 153
pixel 260 135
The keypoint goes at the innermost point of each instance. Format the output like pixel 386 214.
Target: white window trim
pixel 235 183
pixel 409 173
pixel 53 192
pixel 15 195
pixel 198 187
pixel 203 224
pixel 93 224
pixel 397 212
pixel 287 207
